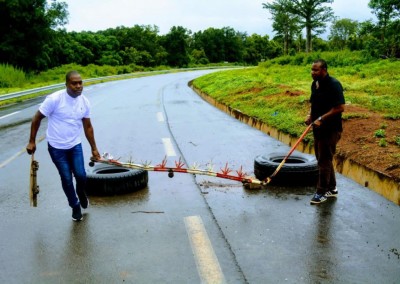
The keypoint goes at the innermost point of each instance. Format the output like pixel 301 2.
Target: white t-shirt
pixel 64 114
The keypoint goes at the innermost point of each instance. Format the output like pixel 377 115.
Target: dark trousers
pixel 325 148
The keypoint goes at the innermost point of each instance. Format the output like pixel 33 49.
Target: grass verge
pixel 279 94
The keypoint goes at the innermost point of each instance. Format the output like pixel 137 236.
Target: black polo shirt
pixel 325 95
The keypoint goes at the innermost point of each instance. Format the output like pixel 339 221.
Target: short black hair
pixel 70 74
pixel 323 63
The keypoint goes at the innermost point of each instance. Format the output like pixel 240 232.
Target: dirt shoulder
pixel 359 144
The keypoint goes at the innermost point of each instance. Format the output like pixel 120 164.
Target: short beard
pixel 73 94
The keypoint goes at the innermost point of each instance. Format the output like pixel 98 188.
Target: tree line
pixel 33 38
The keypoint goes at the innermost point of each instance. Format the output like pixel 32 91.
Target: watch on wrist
pixel 320 118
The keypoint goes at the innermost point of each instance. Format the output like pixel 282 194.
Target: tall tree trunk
pixel 286 44
pixel 308 39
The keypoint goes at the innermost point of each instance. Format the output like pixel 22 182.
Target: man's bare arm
pixel 89 133
pixel 35 125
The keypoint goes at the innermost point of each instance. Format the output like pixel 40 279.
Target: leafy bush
pixel 382 142
pixel 11 77
pixel 380 133
pixel 397 140
pixel 344 58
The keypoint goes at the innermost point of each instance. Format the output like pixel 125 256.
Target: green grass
pixel 10 76
pixel 277 92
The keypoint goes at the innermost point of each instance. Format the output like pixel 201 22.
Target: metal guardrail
pixel 57 86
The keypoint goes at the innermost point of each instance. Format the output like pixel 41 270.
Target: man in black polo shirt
pixel 327 105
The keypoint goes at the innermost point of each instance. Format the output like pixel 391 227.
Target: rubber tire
pixel 113 180
pixel 298 170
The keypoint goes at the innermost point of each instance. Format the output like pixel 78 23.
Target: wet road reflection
pixel 322 259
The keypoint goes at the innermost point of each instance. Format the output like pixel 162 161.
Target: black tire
pixel 112 180
pixel 298 170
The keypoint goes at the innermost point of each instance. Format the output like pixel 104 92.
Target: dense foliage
pixel 27 32
pixel 32 37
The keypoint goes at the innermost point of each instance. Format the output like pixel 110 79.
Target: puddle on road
pixel 279 192
pixel 137 197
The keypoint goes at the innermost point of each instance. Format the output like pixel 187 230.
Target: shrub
pixel 382 142
pixel 397 140
pixel 380 133
pixel 11 77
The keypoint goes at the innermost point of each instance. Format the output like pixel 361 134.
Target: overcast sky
pixel 196 15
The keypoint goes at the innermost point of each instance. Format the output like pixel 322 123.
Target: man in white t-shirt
pixel 68 111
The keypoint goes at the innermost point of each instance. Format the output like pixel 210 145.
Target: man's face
pixel 317 72
pixel 75 85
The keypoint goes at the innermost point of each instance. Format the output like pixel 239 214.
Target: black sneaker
pixel 318 198
pixel 87 204
pixel 83 199
pixel 76 213
pixel 332 193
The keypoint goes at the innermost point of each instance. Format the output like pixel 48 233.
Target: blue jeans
pixel 70 162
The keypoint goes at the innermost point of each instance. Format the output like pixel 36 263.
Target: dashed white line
pixel 207 263
pixel 169 148
pixel 13 157
pixel 160 117
pixel 10 114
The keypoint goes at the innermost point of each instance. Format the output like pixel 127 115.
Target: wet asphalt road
pixel 251 236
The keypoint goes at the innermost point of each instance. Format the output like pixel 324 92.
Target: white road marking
pixel 207 263
pixel 169 148
pixel 10 114
pixel 9 160
pixel 3 164
pixel 160 117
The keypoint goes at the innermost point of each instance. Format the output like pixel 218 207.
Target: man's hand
pixel 96 154
pixel 308 121
pixel 31 148
pixel 317 123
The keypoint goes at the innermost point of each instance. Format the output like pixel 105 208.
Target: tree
pixel 313 16
pixel 176 44
pixel 385 11
pixel 233 43
pixel 341 31
pixel 143 40
pixel 259 48
pixel 285 24
pixel 220 45
pixel 212 42
pixel 199 56
pixel 388 12
pixel 26 31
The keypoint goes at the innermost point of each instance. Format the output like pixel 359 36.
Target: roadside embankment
pixel 377 181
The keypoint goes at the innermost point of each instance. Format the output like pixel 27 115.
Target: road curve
pixel 186 229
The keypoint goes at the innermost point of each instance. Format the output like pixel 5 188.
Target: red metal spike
pixel 163 163
pixel 179 164
pixel 226 170
pixel 240 172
